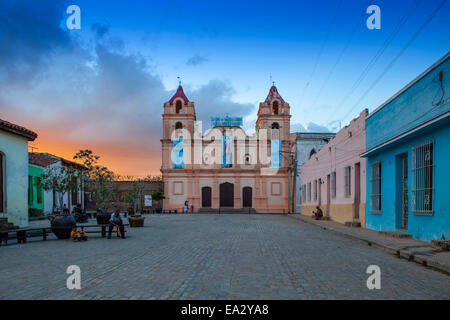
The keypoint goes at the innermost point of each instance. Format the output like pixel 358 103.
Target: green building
pixel 35 190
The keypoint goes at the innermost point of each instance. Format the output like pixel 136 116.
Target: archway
pixel 206 197
pixel 226 194
pixel 247 197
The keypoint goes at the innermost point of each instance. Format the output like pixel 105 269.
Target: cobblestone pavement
pixel 201 256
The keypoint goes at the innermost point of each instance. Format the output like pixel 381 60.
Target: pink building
pixel 334 177
pixel 226 168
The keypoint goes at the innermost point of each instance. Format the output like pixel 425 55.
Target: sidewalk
pixel 411 249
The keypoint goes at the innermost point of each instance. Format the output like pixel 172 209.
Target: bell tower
pixel 178 122
pixel 274 116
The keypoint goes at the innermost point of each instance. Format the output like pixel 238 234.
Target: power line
pixel 389 66
pixel 338 59
pixel 375 58
pixel 330 28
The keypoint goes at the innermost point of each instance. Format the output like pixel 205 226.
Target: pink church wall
pixel 341 151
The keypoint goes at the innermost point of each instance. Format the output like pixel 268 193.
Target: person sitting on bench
pixel 116 220
pixel 318 214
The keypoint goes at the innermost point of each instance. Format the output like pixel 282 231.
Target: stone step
pixel 353 224
pixel 228 210
pixel 395 234
pixel 441 244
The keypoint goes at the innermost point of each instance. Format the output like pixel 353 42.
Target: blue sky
pixel 244 42
pixel 113 76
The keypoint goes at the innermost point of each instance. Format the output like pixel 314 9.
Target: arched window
pixel 178 130
pixel 275 131
pixel 313 151
pixel 178 107
pixel 275 107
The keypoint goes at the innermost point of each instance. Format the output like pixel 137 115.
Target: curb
pixel 405 254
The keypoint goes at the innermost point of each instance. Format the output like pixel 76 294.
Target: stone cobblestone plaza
pixel 214 256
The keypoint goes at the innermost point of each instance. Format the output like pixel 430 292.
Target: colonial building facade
pixel 334 177
pixel 226 168
pixel 408 158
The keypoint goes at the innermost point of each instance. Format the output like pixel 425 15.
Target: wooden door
pixel 227 194
pixel 247 197
pixel 206 197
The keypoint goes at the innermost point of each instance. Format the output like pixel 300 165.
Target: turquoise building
pixel 408 158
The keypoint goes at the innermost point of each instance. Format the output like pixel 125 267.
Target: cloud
pixel 29 35
pixel 297 127
pixel 92 93
pixel 214 99
pixel 314 127
pixel 196 60
pixel 100 30
pixel 310 127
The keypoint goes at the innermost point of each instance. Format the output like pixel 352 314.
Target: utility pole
pixel 294 184
pixel 292 169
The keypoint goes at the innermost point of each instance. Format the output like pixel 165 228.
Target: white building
pixel 308 143
pixel 14 172
pixel 70 199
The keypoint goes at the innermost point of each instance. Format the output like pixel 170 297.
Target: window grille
pixel 375 187
pixel 309 191
pixel 315 189
pixel 333 184
pixel 422 178
pixel 304 193
pixel 347 181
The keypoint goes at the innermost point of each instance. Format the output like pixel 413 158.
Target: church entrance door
pixel 247 197
pixel 206 197
pixel 226 194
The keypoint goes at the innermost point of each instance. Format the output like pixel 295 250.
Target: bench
pixel 102 228
pixel 23 233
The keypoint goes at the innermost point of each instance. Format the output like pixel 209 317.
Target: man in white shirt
pixel 116 220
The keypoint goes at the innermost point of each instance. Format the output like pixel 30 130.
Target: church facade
pixel 225 169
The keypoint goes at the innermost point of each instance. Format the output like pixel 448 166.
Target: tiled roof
pixel 179 94
pixel 18 130
pixel 46 159
pixel 273 94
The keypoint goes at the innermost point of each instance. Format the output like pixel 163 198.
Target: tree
pixel 158 196
pixel 134 196
pixel 61 180
pixel 98 180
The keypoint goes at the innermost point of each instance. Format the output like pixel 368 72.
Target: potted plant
pixel 61 180
pixel 158 196
pixel 133 198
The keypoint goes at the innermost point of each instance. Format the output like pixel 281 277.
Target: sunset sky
pixel 103 87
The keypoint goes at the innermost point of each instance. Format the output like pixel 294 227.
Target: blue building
pixel 408 158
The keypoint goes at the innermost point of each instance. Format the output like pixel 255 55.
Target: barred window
pixel 304 193
pixel 39 189
pixel 347 181
pixel 375 187
pixel 422 178
pixel 333 184
pixel 315 189
pixel 309 191
pixel 30 190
